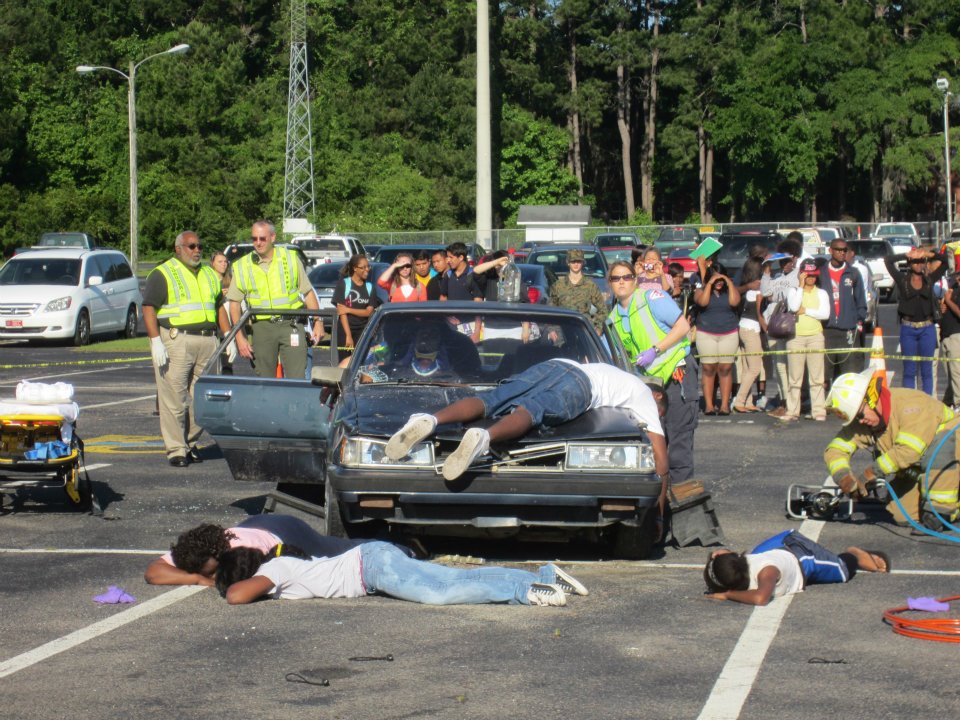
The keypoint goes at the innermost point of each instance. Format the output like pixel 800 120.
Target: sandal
pixel 745 408
pixel 883 556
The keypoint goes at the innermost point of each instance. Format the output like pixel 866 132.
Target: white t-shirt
pixel 296 579
pixel 791 577
pixel 612 387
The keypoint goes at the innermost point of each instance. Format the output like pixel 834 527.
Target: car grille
pixel 18 309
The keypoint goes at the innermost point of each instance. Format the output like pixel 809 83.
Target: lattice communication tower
pixel 298 171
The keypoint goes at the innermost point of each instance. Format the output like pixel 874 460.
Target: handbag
pixel 782 323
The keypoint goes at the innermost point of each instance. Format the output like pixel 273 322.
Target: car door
pixel 95 291
pixel 268 429
pixel 124 289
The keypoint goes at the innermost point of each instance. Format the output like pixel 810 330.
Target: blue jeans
pixel 922 342
pixel 553 392
pixel 387 570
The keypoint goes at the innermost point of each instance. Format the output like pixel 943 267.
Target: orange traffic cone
pixel 877 361
pixel 279 369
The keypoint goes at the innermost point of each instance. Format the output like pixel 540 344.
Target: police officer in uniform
pixel 180 305
pixel 272 278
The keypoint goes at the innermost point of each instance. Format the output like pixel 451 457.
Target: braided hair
pixel 242 563
pixel 195 547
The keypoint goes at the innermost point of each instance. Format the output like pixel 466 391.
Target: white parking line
pixel 740 672
pixel 55 647
pixel 119 402
pixel 75 372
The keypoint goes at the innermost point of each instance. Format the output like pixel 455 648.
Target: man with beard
pixel 902 427
pixel 181 302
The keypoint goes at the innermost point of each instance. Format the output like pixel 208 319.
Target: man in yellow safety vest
pixel 272 278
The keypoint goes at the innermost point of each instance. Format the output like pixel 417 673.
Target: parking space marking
pixel 742 667
pixel 62 644
pixel 80 551
pixel 66 374
pixel 120 402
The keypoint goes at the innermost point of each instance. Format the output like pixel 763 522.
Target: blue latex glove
pixel 928 604
pixel 646 358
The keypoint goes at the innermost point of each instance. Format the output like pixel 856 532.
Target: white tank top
pixel 791 577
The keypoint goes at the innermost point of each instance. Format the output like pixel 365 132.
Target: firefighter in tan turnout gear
pixel 903 428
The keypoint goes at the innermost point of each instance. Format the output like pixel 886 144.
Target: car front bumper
pixel 39 326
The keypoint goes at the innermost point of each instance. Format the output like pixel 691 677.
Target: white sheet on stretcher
pixel 68 411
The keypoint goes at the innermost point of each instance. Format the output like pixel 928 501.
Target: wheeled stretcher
pixel 39 446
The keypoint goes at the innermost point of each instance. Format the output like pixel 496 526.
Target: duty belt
pixel 174 331
pixel 912 324
pixel 279 319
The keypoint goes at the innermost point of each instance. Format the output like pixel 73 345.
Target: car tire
pixel 130 324
pixel 81 335
pixel 635 541
pixel 332 519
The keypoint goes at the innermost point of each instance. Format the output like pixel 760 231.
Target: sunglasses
pixel 260 238
pixel 193 246
pixel 622 278
pixel 407 266
pixel 839 249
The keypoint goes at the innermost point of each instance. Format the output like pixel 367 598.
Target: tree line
pixel 647 110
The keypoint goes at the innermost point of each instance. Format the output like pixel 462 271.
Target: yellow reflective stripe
pixel 842 445
pixel 944 497
pixel 837 465
pixel 886 465
pixel 948 414
pixel 911 441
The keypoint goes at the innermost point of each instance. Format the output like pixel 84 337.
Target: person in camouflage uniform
pixel 578 292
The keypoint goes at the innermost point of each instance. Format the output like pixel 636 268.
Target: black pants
pixel 680 420
pixel 837 364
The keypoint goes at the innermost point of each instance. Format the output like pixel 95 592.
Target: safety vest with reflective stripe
pixel 644 333
pixel 277 288
pixel 191 297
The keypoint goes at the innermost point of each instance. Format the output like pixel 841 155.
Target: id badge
pixel 294 339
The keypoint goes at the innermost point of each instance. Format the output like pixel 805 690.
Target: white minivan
pixel 68 293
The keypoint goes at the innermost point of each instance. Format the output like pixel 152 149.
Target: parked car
pixel 591 478
pixel 537 280
pixel 736 247
pixel 612 239
pixel 615 254
pixel 902 236
pixel 554 259
pixel 682 257
pixel 325 248
pixel 873 251
pixel 67 239
pixel 68 293
pixel 675 236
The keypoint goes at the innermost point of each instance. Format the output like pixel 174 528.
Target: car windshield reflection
pixel 479 349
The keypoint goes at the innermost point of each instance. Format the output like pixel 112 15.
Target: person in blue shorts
pixel 781 565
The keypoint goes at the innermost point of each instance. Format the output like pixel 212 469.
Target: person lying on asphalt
pixel 782 565
pixel 286 572
pixel 193 559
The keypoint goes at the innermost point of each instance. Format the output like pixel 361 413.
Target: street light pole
pixel 131 79
pixel 943 85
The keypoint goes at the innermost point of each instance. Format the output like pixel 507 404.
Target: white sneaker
pixel 762 403
pixel 568 583
pixel 546 595
pixel 418 427
pixel 476 442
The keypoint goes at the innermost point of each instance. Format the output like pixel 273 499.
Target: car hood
pixel 34 293
pixel 379 411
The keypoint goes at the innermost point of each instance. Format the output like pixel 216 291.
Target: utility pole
pixel 484 173
pixel 298 198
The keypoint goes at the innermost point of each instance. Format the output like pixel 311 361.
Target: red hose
pixel 936 629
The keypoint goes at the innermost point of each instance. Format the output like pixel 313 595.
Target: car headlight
pixel 59 305
pixel 586 456
pixel 362 452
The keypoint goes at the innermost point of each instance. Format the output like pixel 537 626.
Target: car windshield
pixel 615 240
pixel 886 230
pixel 736 249
pixel 870 248
pixel 613 255
pixel 41 271
pixel 389 254
pixel 556 262
pixel 436 347
pixel 317 245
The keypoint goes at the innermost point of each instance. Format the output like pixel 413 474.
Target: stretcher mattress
pixel 68 411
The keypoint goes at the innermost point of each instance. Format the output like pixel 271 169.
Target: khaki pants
pixel 188 355
pixel 752 365
pixel 944 479
pixel 950 347
pixel 272 341
pixel 779 371
pixel 813 364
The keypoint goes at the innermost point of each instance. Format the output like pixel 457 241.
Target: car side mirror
pixel 95 280
pixel 326 376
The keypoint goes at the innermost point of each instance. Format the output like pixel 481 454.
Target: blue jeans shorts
pixel 818 565
pixel 553 392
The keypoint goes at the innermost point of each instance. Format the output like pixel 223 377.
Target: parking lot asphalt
pixel 645 643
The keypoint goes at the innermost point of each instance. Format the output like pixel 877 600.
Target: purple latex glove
pixel 646 358
pixel 928 604
pixel 114 596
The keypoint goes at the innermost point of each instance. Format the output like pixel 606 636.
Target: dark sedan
pixel 592 478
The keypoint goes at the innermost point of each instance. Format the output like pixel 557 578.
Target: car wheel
pixel 635 541
pixel 130 325
pixel 332 519
pixel 81 336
